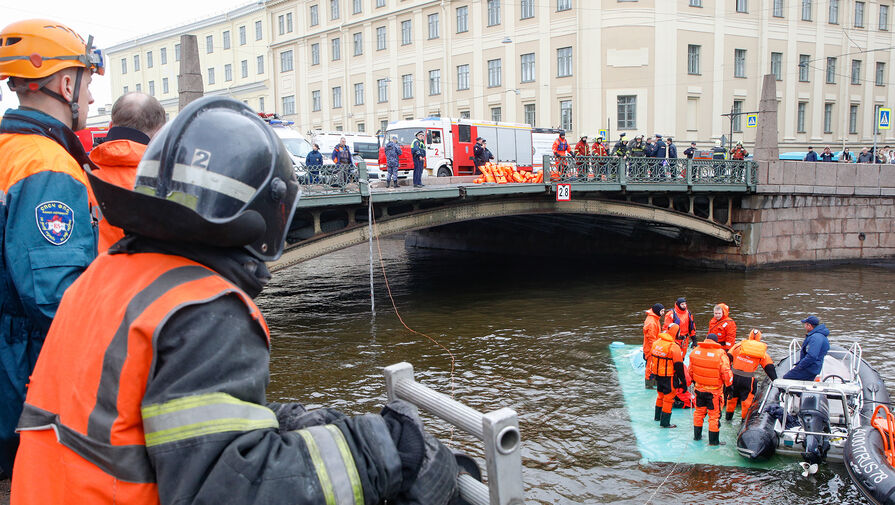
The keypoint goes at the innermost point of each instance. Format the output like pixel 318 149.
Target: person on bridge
pixel 846 156
pixel 666 367
pixel 710 369
pixel 745 358
pixel 637 147
pixel 723 326
pixel 651 329
pixel 154 372
pixel 582 151
pixel 814 350
pixel 690 151
pixel 418 151
pixel 599 149
pixel 344 162
pixel 621 147
pixel 827 155
pixel 478 155
pixel 672 149
pixel 739 153
pixel 313 163
pixel 136 118
pixel 811 155
pixel 682 316
pixel 393 153
pixel 47 216
pixel 718 152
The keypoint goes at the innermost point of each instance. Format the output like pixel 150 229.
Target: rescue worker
pixel 582 151
pixel 47 223
pixel 651 329
pixel 718 152
pixel 710 370
pixel 814 350
pixel 682 316
pixel 690 151
pixel 393 153
pixel 666 366
pixel 745 357
pixel 478 155
pixel 599 149
pixel 136 118
pixel 344 163
pixel 418 151
pixel 637 148
pixel 169 355
pixel 561 152
pixel 738 152
pixel 621 147
pixel 723 326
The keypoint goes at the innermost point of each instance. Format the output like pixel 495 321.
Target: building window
pixel 831 70
pixel 380 38
pixel 209 44
pixel 123 65
pixel 176 52
pixel 357 7
pixel 627 112
pixel 336 49
pixel 286 61
pixel 136 63
pixel 806 10
pixel 261 104
pixel 563 5
pixel 777 65
pixel 337 97
pixel 140 88
pixel 242 35
pixel 407 86
pixel 151 88
pixel 358 43
pixel 289 105
pixel 315 54
pixel 693 59
pixel 834 12
pixel 695 3
pixel 528 67
pixel 739 63
pixel 853 118
pixel 258 31
pixel 462 77
pixel 164 85
pixel 382 90
pixel 692 113
pixel 564 62
pixel 800 117
pixel 828 118
pixel 260 64
pixel 435 82
pixel 359 93
pixel 742 6
pixel 527 9
pixel 494 75
pixel 244 69
pixel 124 90
pixel 884 17
pixel 226 36
pixel 361 127
pixel 778 9
pixel 529 109
pixel 856 71
pixel 496 114
pixel 804 61
pixel 315 15
pixel 464 114
pixel 211 75
pixel 281 24
pixel 565 115
pixel 493 12
pixel 406 35
pixel 148 59
pixel 880 73
pixel 859 14
pixel 333 9
pixel 737 115
pixel 462 19
pixel 433 26
pixel 228 72
pixel 315 100
pixel 163 55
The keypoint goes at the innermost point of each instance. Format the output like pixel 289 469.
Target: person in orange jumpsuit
pixel 745 357
pixel 651 329
pixel 723 326
pixel 680 315
pixel 561 152
pixel 666 366
pixel 710 370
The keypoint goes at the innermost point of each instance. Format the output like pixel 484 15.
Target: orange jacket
pixel 725 328
pixel 651 330
pixel 598 149
pixel 710 367
pixel 663 355
pixel 748 355
pixel 560 147
pixel 117 160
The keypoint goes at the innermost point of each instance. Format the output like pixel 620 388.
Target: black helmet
pixel 215 175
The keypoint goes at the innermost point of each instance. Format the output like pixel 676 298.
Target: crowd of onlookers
pixel 884 155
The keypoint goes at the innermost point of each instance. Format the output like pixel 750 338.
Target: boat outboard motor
pixel 814 414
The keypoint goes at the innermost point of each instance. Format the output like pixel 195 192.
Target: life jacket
pixel 560 147
pixel 749 357
pixel 82 420
pixel 662 356
pixel 706 362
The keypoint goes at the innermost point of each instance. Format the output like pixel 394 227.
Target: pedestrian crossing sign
pixel 751 120
pixel 884 116
pixel 604 134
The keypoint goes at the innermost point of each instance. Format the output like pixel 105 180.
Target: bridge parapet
pixel 818 178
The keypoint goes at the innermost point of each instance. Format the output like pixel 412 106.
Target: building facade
pixel 671 67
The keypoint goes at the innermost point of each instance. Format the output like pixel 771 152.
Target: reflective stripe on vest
pixel 333 464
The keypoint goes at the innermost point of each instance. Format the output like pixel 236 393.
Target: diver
pixel 745 358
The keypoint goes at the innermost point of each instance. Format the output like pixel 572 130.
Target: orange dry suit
pixel 666 363
pixel 651 330
pixel 710 369
pixel 560 147
pixel 748 355
pixel 117 160
pixel 725 328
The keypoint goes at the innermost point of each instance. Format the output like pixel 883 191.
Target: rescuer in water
pixel 710 370
pixel 682 316
pixel 745 358
pixel 666 366
pixel 723 326
pixel 651 329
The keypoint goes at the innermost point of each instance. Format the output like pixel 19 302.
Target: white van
pixel 542 144
pixel 296 144
pixel 364 145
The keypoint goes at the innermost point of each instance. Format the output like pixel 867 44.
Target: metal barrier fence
pixel 499 430
pixel 643 170
pixel 338 179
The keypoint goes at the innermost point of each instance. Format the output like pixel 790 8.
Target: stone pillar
pixel 189 81
pixel 766 148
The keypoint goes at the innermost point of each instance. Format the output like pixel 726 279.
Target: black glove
pixel 693 341
pixel 293 416
pixel 680 380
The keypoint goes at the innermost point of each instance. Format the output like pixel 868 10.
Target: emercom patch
pixel 55 220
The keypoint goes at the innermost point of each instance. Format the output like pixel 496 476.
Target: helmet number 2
pixel 200 158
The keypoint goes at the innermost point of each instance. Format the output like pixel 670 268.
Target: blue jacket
pixel 314 158
pixel 811 358
pixel 660 148
pixel 393 154
pixel 811 156
pixel 672 151
pixel 342 155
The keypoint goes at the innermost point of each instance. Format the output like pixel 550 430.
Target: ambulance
pixel 449 144
pixel 362 145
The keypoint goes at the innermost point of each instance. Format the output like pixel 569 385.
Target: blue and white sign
pixel 751 120
pixel 604 134
pixel 884 119
pixel 55 221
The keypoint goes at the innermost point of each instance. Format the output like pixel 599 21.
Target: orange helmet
pixel 37 48
pixel 755 335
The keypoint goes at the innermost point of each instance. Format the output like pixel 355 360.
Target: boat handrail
pixel 825 388
pixel 819 434
pixel 795 345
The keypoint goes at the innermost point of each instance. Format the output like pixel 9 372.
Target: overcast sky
pixel 110 22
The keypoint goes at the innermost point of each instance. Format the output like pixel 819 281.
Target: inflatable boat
pixel 813 420
pixel 870 457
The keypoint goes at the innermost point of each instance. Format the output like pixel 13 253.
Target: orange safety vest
pixel 664 354
pixel 709 366
pixel 82 438
pixel 748 357
pixel 117 160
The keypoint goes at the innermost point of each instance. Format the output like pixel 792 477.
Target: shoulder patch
pixel 55 221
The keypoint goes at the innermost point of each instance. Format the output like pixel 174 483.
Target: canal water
pixel 534 335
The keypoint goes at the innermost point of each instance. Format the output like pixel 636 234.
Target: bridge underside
pixel 318 233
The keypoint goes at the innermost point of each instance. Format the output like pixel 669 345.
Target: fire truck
pixel 449 143
pixel 92 136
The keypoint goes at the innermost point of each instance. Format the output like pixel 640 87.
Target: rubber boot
pixel 697 433
pixel 665 422
pixel 658 416
pixel 715 438
pixel 387 182
pixel 728 416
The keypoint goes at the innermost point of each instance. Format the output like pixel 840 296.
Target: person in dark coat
pixel 690 151
pixel 865 156
pixel 660 147
pixel 479 158
pixel 313 162
pixel 827 155
pixel 392 161
pixel 418 151
pixel 672 148
pixel 814 349
pixel 811 156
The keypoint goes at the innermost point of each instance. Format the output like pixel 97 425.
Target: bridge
pixel 624 196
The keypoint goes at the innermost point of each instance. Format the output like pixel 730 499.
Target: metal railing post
pixel 547 169
pixel 690 168
pixel 363 181
pixel 622 176
pixel 499 430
